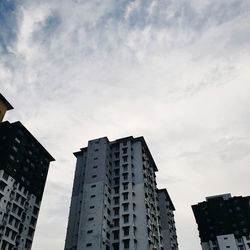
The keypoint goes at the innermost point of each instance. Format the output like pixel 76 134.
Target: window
pixel 88 244
pixel 95 166
pixel 116 246
pixel 116 200
pixel 125 176
pixel 108 235
pixel 116 181
pixel 125 207
pixel 125 196
pixel 126 218
pixel 91 218
pixel 116 234
pixel 116 210
pixel 94 176
pixel 93 186
pixel 92 196
pixel 125 186
pixel 95 158
pixel 125 167
pixel 89 231
pixel 116 222
pixel 116 189
pixel 126 231
pixel 125 158
pixel 126 244
pixel 125 150
pixel 91 207
pixel 117 172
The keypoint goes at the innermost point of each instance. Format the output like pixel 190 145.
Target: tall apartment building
pixel 115 201
pixel 224 222
pixel 24 166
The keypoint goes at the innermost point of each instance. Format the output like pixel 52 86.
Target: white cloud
pixel 173 71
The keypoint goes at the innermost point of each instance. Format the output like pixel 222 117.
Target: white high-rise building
pixel 115 201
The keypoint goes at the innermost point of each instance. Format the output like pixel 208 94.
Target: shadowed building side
pixel 167 220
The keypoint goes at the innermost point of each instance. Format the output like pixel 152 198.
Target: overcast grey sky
pixel 174 71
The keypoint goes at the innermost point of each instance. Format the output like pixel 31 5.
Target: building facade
pixel 24 166
pixel 114 202
pixel 168 229
pixel 224 222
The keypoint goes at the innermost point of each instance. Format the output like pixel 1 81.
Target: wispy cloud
pixel 174 71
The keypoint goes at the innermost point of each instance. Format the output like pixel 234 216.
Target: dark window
pixel 116 234
pixel 125 196
pixel 125 167
pixel 126 244
pixel 116 190
pixel 125 186
pixel 116 210
pixel 126 231
pixel 91 218
pixel 116 181
pixel 116 200
pixel 125 158
pixel 116 222
pixel 126 218
pixel 125 207
pixel 117 172
pixel 125 176
pixel 124 150
pixel 90 231
pixel 88 244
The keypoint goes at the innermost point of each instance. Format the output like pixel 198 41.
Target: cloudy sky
pixel 174 71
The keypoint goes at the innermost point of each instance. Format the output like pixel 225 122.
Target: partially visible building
pixel 167 221
pixel 115 202
pixel 4 106
pixel 24 165
pixel 224 222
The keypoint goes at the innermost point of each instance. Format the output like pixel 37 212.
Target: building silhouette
pixel 115 203
pixel 24 164
pixel 224 222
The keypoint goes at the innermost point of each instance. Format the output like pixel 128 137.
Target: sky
pixel 173 71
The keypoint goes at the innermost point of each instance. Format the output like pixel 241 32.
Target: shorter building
pixel 167 221
pixel 224 222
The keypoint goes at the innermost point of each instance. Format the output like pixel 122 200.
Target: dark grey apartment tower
pixel 115 201
pixel 24 166
pixel 224 222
